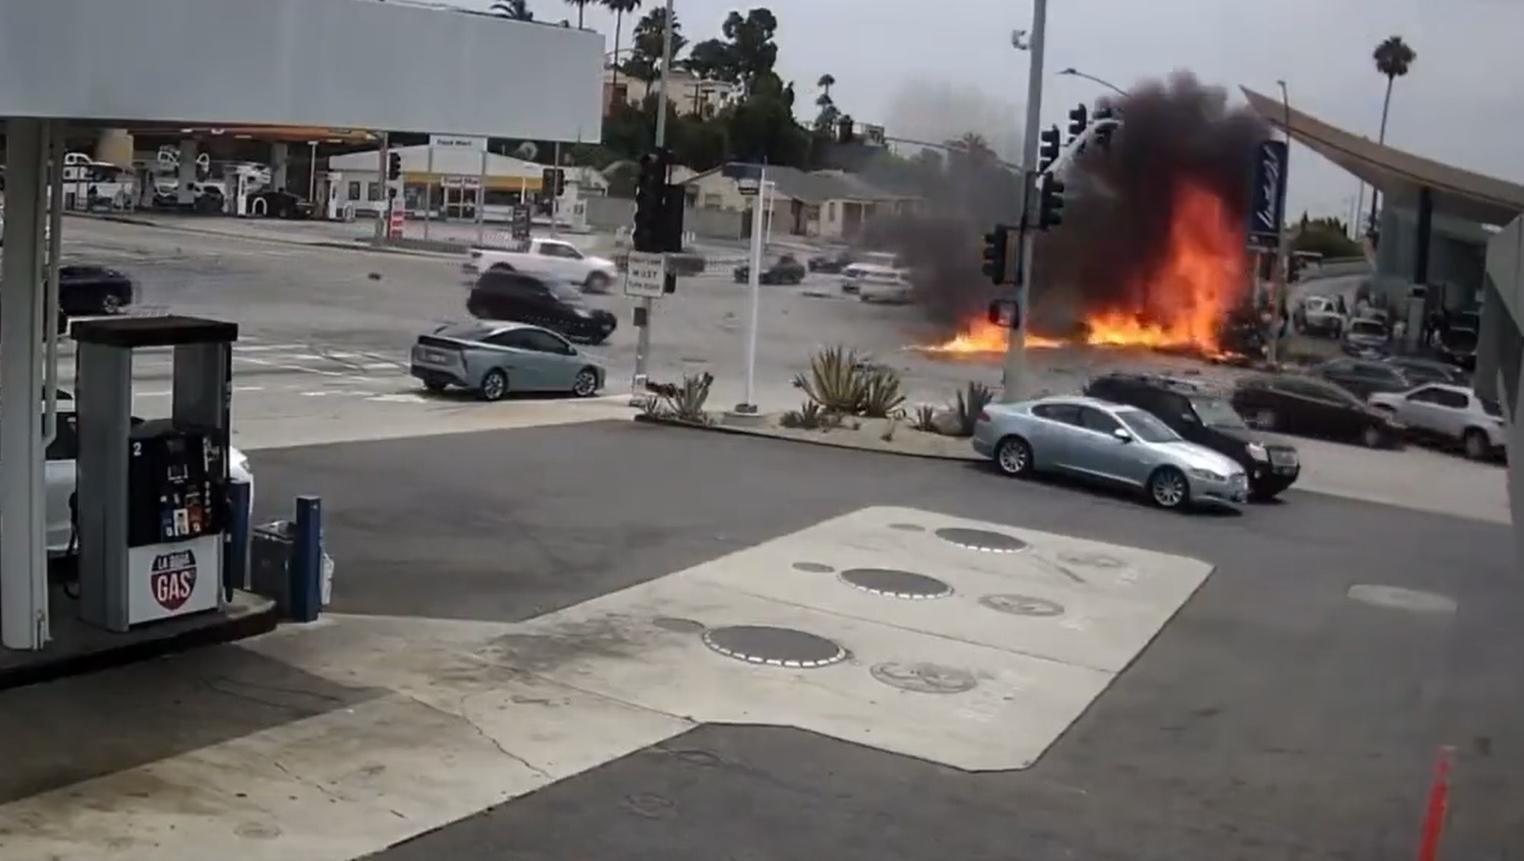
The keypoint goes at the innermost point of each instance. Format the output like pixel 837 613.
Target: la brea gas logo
pixel 172 578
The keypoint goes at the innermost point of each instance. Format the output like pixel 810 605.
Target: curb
pixel 253 623
pixel 355 245
pixel 767 433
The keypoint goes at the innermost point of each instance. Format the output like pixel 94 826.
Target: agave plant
pixel 968 408
pixel 809 416
pixel 837 380
pixel 925 418
pixel 882 395
pixel 683 401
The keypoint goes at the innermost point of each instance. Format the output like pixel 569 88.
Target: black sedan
pixel 273 203
pixel 1364 377
pixel 523 297
pixel 831 263
pixel 1205 418
pixel 1422 371
pixel 1312 407
pixel 785 270
pixel 85 290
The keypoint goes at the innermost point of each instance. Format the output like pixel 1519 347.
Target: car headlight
pixel 1257 451
pixel 583 312
pixel 1208 475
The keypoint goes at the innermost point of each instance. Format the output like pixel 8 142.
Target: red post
pixel 1439 802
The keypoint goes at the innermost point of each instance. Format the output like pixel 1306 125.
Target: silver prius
pixel 1112 443
pixel 493 358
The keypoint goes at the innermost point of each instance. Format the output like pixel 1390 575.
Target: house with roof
pixel 825 204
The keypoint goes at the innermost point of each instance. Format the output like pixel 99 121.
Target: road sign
pixel 460 182
pixel 645 274
pixel 1268 201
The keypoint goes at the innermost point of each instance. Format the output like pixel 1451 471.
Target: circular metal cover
pixel 923 678
pixel 1022 605
pixel 892 583
pixel 777 647
pixel 813 567
pixel 982 539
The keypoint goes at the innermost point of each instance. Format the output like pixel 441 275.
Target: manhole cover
pixel 924 678
pixel 680 626
pixel 778 647
pixel 1022 605
pixel 982 539
pixel 1093 560
pixel 896 584
pixel 908 527
pixel 1398 598
pixel 813 567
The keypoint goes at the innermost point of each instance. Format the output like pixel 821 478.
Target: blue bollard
pixel 235 574
pixel 307 560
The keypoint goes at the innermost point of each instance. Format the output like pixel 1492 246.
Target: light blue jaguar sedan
pixel 493 358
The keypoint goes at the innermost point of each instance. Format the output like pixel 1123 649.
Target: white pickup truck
pixel 545 257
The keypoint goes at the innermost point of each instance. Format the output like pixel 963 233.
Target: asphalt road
pixel 1273 718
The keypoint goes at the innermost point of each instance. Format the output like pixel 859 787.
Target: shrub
pixel 810 416
pixel 684 401
pixel 882 395
pixel 837 381
pixel 925 418
pixel 967 408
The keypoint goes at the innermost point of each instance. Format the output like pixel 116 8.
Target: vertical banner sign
pixel 1267 199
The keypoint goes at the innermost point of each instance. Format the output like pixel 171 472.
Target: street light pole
pixel 1105 83
pixel 1283 248
pixel 1016 347
pixel 643 313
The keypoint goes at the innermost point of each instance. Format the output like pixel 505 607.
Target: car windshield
pixel 1367 327
pixel 1216 413
pixel 464 331
pixel 1146 427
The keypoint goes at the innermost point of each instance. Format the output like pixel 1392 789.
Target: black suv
pixel 1206 419
pixel 535 299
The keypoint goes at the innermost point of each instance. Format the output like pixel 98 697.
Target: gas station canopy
pixel 1399 175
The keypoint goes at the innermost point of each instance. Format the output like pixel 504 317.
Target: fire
pixel 1181 304
pixel 982 336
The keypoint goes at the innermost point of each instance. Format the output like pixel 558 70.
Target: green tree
pixel 751 40
pixel 518 10
pixel 581 6
pixel 647 46
pixel 713 60
pixel 826 82
pixel 1393 58
pixel 619 7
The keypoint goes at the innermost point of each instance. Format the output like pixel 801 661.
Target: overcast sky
pixel 935 69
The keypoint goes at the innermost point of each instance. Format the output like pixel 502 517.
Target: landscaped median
pixel 849 403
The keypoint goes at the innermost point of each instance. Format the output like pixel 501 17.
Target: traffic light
pixel 1050 207
pixel 651 203
pixel 1047 150
pixel 1077 121
pixel 394 167
pixel 670 236
pixel 997 247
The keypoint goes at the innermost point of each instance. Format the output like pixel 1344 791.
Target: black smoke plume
pixel 1116 218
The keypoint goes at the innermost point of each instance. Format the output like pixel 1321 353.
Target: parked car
pixel 1100 441
pixel 831 263
pixel 1457 345
pixel 207 199
pixel 1297 404
pixel 61 471
pixel 1366 337
pixel 279 204
pixel 548 257
pixel 877 268
pixel 1450 415
pixel 1205 418
pixel 1319 315
pixel 784 270
pixel 541 300
pixel 492 359
pixel 1363 377
pixel 84 290
pixel 1421 371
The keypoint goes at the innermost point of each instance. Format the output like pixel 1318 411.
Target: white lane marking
pixel 265 348
pixel 399 399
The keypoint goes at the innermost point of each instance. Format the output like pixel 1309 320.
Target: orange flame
pixel 1180 305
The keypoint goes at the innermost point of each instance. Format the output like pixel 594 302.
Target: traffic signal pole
pixel 643 338
pixel 1015 352
pixel 383 163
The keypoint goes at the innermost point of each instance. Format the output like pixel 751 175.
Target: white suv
pixel 1450 414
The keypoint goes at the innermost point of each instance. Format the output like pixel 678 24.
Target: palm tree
pixel 619 7
pixel 580 4
pixel 515 9
pixel 1393 57
pixel 826 82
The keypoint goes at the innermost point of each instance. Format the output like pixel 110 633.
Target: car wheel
pixel 598 283
pixel 1014 456
pixel 435 386
pixel 1168 488
pixel 111 304
pixel 1477 446
pixel 494 385
pixel 586 384
pixel 1373 437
